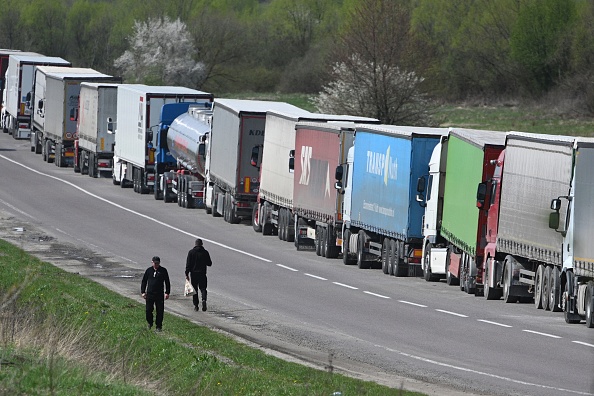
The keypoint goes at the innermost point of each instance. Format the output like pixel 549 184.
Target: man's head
pixel 198 242
pixel 156 261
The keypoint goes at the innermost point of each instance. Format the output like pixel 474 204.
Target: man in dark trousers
pixel 154 293
pixel 196 263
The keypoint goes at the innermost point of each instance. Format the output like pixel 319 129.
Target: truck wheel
pixel 286 225
pixel 589 306
pixel 507 281
pixel 92 166
pixel 290 227
pixel 399 269
pixel 491 293
pixel 429 277
pixel 330 241
pixel 546 290
pixel 570 318
pixel 555 290
pixel 317 240
pixel 256 218
pixel 538 286
pixel 281 224
pixel 361 263
pixel 392 257
pixel 43 153
pixel 47 152
pixel 346 238
pixel 386 256
pixel 323 241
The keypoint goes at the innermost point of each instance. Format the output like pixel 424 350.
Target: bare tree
pixel 161 53
pixel 375 68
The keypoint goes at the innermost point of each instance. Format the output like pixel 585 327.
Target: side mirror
pixel 481 195
pixel 554 220
pixel 338 185
pixel 40 104
pixel 255 158
pixel 338 173
pixel 149 136
pixel 202 150
pixel 292 164
pixel 421 185
pixel 556 204
pixel 28 97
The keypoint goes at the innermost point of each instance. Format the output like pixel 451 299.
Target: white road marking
pixel 435 362
pixel 375 294
pixel 583 343
pixel 347 286
pixel 493 323
pixel 412 303
pixel 137 213
pixel 451 313
pixel 542 334
pixel 289 268
pixel 315 276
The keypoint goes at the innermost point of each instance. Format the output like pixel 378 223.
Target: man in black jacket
pixel 153 292
pixel 197 261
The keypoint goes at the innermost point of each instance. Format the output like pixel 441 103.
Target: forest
pixel 372 55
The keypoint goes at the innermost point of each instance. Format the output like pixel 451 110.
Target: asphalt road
pixel 397 331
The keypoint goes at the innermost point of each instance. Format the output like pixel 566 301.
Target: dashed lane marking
pixel 542 334
pixel 493 323
pixel 451 313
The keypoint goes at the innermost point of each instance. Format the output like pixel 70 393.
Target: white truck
pixel 93 147
pixel 238 126
pixel 20 77
pixel 138 117
pixel 55 110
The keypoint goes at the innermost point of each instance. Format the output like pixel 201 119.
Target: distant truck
pixel 181 155
pixel 455 248
pixel 55 116
pixel 19 104
pixel 382 220
pixel 273 213
pixel 139 109
pixel 233 183
pixel 93 146
pixel 577 276
pixel 4 56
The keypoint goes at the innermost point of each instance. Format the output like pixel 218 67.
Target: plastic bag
pixel 188 289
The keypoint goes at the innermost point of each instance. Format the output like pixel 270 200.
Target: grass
pixel 524 118
pixel 63 334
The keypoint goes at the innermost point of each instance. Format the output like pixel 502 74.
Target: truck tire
pixel 571 318
pixel 330 241
pixel 281 224
pixel 256 218
pixel 346 240
pixel 538 286
pixel 290 227
pixel 323 241
pixel 589 306
pixel 555 290
pixel 393 256
pixel 428 274
pixel 361 263
pixel 491 293
pixel 399 269
pixel 92 166
pixel 545 290
pixel 317 241
pixel 386 256
pixel 507 282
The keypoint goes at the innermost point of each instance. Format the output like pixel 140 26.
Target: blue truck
pixel 382 219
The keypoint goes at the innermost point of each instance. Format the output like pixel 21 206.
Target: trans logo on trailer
pixel 382 164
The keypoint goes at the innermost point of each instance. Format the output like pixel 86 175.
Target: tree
pixel 161 53
pixel 376 68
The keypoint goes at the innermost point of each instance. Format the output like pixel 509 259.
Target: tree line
pixel 369 56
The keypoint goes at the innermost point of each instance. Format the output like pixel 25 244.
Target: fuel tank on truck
pixel 184 139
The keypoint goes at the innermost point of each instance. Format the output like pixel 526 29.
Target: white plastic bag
pixel 188 289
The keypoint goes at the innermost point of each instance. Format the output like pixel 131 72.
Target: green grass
pixel 63 334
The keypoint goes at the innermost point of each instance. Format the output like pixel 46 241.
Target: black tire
pixel 570 318
pixel 290 227
pixel 324 242
pixel 386 251
pixel 555 290
pixel 346 239
pixel 428 275
pixel 298 222
pixel 545 290
pixel 331 248
pixel 361 263
pixel 157 193
pixel 490 293
pixel 76 166
pixel 589 305
pixel 318 241
pixel 256 218
pixel 44 153
pixel 281 223
pixel 392 257
pixel 400 270
pixel 538 286
pixel 214 204
pixel 462 273
pixel 92 166
pixel 507 281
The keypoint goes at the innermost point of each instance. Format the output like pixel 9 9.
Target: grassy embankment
pixel 62 334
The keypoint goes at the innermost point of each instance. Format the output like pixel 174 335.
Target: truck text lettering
pixel 382 164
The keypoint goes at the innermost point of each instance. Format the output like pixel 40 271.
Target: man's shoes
pixel 158 330
pixel 204 305
pixel 150 326
pixel 196 308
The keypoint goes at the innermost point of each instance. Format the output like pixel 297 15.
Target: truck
pixel 453 226
pixel 523 256
pixel 93 145
pixel 55 110
pixel 4 56
pixel 19 103
pixel 319 148
pixel 233 182
pixel 181 155
pixel 138 115
pixel 381 218
pixel 577 275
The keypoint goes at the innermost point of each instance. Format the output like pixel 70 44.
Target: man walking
pixel 152 290
pixel 197 261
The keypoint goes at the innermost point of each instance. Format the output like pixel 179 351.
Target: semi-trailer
pixel 93 146
pixel 233 182
pixel 138 116
pixel 382 220
pixel 455 248
pixel 19 104
pixel 273 212
pixel 181 153
pixel 577 276
pixel 56 110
